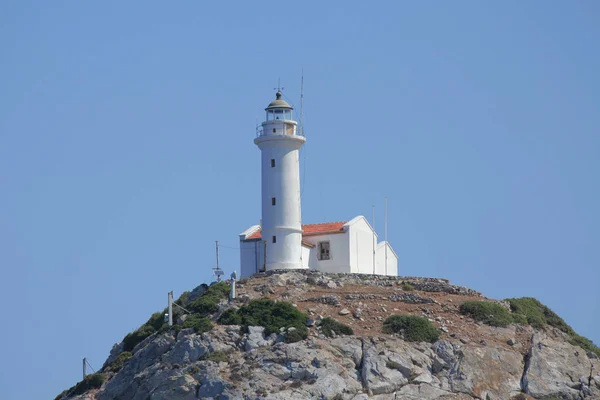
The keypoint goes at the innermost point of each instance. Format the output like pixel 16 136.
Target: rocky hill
pixel 308 335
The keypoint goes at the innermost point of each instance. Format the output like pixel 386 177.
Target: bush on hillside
pixel 538 314
pixel 118 363
pixel 271 315
pixel 216 356
pixel 412 328
pixel 208 303
pixel 407 286
pixel 330 325
pixel 487 312
pixel 93 381
pixel 230 317
pixel 200 324
pixel 134 338
pixel 584 343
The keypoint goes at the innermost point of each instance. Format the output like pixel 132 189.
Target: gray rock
pixel 344 311
pixel 255 338
pixel 552 367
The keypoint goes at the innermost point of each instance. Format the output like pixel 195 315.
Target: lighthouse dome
pixel 278 103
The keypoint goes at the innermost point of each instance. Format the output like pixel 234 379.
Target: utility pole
pixel 374 241
pixel 386 237
pixel 217 271
pixel 84 367
pixel 170 302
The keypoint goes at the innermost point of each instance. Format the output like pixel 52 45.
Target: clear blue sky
pixel 126 150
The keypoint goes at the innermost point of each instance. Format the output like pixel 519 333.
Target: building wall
pixel 306 255
pixel 251 257
pixel 362 246
pixel 392 260
pixel 339 252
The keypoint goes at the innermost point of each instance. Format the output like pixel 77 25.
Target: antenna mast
pixel 217 271
pixel 302 102
pixel 386 237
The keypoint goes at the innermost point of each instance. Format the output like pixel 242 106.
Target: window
pixel 274 130
pixel 273 201
pixel 274 239
pixel 324 251
pixel 272 163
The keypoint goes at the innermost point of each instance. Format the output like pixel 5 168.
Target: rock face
pixel 169 367
pixel 559 368
pixel 228 364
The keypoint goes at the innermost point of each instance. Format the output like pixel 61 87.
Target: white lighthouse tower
pixel 280 142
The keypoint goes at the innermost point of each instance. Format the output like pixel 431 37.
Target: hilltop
pixel 309 335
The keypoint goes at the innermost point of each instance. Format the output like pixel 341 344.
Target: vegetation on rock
pixel 200 324
pixel 118 363
pixel 487 312
pixel 216 356
pixel 412 328
pixel 539 315
pixel 329 326
pixel 93 381
pixel 208 303
pixel 271 315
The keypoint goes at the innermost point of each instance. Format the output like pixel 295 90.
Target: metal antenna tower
pixel 218 272
pixel 302 102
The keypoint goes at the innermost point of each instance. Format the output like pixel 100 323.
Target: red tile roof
pixel 325 228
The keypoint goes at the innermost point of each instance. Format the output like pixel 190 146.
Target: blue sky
pixel 126 150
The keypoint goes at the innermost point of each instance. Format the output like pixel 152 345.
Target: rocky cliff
pixel 469 360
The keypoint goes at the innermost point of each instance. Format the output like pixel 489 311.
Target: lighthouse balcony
pixel 278 128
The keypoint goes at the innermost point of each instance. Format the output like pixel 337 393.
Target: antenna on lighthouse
pixel 218 272
pixel 302 102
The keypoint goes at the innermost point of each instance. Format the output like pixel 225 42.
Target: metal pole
pixel 217 250
pixel 386 238
pixel 170 300
pixel 374 240
pixel 84 367
pixel 265 257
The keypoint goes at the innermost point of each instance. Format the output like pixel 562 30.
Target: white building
pixel 283 242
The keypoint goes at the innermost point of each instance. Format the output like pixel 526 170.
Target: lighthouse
pixel 279 142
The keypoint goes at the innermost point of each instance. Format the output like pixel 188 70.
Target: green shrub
pixel 200 324
pixel 296 335
pixel 93 381
pixel 230 317
pixel 217 356
pixel 118 363
pixel 412 328
pixel 134 338
pixel 519 319
pixel 269 314
pixel 585 344
pixel 487 312
pixel 182 300
pixel 538 314
pixel 407 286
pixel 330 325
pixel 205 305
pixel 219 290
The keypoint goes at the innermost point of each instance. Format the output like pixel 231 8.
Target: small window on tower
pixel 272 163
pixel 274 130
pixel 274 239
pixel 324 251
pixel 273 201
